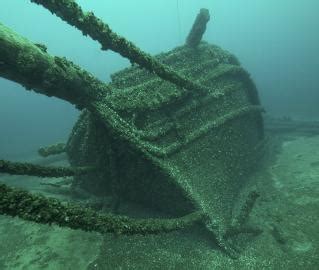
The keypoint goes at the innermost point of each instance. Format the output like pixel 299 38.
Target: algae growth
pixel 162 154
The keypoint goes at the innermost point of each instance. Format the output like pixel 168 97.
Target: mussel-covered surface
pixel 188 150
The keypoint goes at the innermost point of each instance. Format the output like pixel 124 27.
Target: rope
pixel 179 22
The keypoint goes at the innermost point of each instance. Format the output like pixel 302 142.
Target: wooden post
pixel 198 29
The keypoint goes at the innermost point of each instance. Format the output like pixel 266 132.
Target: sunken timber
pixel 178 132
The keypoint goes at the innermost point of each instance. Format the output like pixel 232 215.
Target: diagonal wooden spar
pixel 30 65
pixel 89 24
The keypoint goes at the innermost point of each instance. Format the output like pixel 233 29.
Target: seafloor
pixel 288 212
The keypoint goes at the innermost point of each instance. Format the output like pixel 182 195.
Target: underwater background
pixel 275 41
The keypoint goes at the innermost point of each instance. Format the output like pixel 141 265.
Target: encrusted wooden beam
pixel 21 168
pixel 53 149
pixel 89 24
pixel 198 29
pixel 15 202
pixel 30 65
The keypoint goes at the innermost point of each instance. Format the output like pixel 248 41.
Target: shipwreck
pixel 179 132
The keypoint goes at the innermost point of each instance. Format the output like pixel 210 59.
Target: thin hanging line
pixel 179 23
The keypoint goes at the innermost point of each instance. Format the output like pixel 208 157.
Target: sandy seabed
pixel 287 211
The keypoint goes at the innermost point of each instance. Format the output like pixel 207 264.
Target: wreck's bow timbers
pixel 179 133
